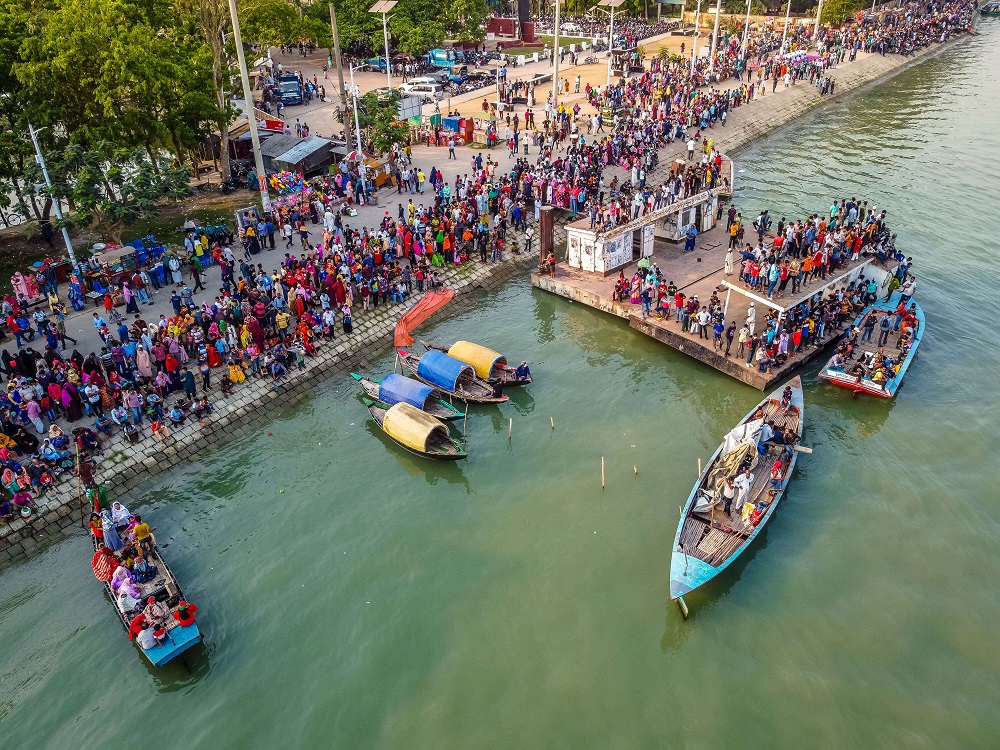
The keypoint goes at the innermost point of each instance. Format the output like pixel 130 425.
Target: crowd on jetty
pixel 786 258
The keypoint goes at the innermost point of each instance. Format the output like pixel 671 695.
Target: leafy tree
pixel 110 188
pixel 378 115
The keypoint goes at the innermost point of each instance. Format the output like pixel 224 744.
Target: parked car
pixel 429 92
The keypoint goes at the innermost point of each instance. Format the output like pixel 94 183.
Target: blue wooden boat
pixel 394 388
pixel 451 376
pixel 165 589
pixel 861 373
pixel 708 538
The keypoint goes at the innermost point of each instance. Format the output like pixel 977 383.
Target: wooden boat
pixel 859 379
pixel 394 388
pixel 990 9
pixel 488 364
pixel 415 430
pixel 450 376
pixel 708 539
pixel 165 588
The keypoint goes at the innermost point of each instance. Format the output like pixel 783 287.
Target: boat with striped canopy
pixel 415 430
pixel 488 364
pixel 708 538
pixel 450 376
pixel 394 388
pixel 865 372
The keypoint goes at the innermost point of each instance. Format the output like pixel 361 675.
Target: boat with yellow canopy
pixel 489 365
pixel 415 430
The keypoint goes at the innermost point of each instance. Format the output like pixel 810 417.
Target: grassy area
pixel 564 41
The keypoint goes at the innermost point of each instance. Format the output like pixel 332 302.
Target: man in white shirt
pixel 742 484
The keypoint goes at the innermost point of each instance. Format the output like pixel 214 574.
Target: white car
pixel 429 92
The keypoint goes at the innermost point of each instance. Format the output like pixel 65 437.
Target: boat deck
pixel 702 536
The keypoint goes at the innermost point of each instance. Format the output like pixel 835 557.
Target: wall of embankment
pixel 125 467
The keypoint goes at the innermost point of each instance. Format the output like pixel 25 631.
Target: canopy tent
pixel 443 371
pixel 483 360
pixel 395 389
pixel 412 427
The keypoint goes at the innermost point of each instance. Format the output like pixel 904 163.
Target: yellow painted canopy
pixel 411 426
pixel 483 360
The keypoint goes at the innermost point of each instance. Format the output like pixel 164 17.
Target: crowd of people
pixel 787 257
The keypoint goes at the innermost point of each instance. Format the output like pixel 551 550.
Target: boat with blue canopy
pixel 394 388
pixel 738 492
pixel 864 366
pixel 452 376
pixel 488 364
pixel 415 430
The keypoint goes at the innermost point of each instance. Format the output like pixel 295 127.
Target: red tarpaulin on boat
pixel 429 304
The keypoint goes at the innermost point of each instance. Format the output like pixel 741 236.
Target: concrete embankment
pixel 125 467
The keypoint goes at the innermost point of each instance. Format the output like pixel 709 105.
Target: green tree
pixel 378 116
pixel 110 188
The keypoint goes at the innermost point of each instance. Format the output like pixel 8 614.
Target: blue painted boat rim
pixel 682 583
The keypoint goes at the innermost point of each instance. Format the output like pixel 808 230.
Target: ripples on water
pixel 510 602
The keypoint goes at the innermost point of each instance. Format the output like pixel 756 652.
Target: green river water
pixel 383 601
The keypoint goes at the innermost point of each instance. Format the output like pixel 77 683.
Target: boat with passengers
pixel 451 376
pixel 489 365
pixel 738 492
pixel 861 362
pixel 146 596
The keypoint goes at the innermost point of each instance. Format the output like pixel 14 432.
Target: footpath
pixel 124 467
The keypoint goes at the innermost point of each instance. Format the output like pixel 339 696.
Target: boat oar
pixel 802 449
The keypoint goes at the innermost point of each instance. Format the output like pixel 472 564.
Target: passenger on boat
pixel 155 612
pixel 148 639
pixel 104 564
pixel 111 537
pixel 728 492
pixel 185 613
pixel 777 473
pixel 786 398
pixel 497 388
pixel 136 626
pixel 144 536
pixel 120 516
pixel 742 483
pixel 522 372
pixel 143 570
pixel 837 363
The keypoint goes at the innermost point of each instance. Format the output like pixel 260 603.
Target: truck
pixel 289 89
pixel 445 58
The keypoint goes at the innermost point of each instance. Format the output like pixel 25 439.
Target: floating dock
pixel 698 273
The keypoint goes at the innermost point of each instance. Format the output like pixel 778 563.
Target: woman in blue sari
pixel 76 295
pixel 111 538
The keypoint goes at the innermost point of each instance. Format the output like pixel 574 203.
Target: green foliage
pixel 110 187
pixel 838 11
pixel 378 115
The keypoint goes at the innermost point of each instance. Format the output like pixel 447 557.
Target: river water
pixel 382 601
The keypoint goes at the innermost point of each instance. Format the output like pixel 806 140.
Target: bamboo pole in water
pixel 552 421
pixel 510 429
pixel 602 472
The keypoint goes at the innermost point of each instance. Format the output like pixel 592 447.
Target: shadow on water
pixel 428 469
pixel 521 399
pixel 708 597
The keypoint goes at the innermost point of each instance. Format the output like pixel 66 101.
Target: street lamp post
pixel 788 13
pixel 746 31
pixel 610 5
pixel 55 199
pixel 354 99
pixel 697 35
pixel 383 7
pixel 340 73
pixel 555 67
pixel 265 199
pixel 715 35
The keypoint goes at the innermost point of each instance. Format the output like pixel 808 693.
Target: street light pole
pixel 746 31
pixel 383 7
pixel 697 35
pixel 788 13
pixel 555 68
pixel 715 35
pixel 608 6
pixel 357 125
pixel 340 74
pixel 55 199
pixel 265 199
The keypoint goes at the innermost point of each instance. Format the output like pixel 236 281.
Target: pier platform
pixel 700 273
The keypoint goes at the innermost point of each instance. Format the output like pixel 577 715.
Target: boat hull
pixel 687 571
pixel 861 384
pixel 374 406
